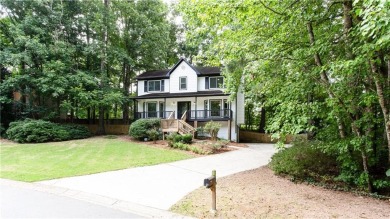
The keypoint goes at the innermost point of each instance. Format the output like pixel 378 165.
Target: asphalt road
pixel 22 203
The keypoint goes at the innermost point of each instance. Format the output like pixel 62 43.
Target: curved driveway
pixel 162 185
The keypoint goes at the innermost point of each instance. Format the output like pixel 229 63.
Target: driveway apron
pixel 163 185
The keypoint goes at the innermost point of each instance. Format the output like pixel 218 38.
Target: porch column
pixel 165 105
pixel 196 110
pixel 230 130
pixel 135 108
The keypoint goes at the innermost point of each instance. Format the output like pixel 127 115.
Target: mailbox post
pixel 211 183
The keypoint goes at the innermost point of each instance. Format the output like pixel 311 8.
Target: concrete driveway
pixel 162 185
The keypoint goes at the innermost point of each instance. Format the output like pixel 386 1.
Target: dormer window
pixel 216 82
pixel 183 83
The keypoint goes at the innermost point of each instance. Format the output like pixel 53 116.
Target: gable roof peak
pixel 178 63
pixel 165 73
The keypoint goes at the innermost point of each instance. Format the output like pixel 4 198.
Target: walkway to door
pixel 161 186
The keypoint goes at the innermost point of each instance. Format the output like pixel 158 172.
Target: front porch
pixel 191 115
pixel 185 112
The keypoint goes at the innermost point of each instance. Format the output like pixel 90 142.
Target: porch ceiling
pixel 175 95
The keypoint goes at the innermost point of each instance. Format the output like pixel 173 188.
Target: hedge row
pixel 29 131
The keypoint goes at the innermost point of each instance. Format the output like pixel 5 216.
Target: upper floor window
pixel 183 83
pixel 155 86
pixel 216 82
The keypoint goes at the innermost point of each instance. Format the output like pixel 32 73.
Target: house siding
pixel 183 70
pixel 201 83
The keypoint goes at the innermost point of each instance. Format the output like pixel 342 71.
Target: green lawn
pixel 35 162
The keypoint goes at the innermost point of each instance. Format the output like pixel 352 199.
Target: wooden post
pixel 214 194
pixel 230 130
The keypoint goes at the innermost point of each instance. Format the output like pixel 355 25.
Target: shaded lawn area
pixel 43 161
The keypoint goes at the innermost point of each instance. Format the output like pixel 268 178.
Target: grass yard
pixel 43 161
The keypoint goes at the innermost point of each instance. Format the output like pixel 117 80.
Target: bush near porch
pixel 139 129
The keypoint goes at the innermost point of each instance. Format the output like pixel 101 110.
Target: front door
pixel 215 107
pixel 182 107
pixel 151 110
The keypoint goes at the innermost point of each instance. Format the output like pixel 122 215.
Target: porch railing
pixel 191 115
pixel 225 114
pixel 154 114
pixel 185 128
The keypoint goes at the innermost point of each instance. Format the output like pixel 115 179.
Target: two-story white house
pixel 193 94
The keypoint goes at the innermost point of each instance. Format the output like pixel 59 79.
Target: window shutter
pixel 145 86
pixel 206 86
pixel 162 85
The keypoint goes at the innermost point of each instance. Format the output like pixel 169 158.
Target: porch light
pixel 173 102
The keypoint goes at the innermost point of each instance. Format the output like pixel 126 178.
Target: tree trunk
pixel 103 67
pixel 324 78
pixel 126 86
pixel 101 129
pixel 364 158
pixel 383 102
pixel 347 8
pixel 262 121
pixel 94 115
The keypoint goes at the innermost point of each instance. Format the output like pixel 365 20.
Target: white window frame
pixel 216 82
pixel 180 83
pixel 159 81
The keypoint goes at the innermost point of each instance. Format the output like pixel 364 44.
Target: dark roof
pixel 154 74
pixel 189 94
pixel 160 74
pixel 205 71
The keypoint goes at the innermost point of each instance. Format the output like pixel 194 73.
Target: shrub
pixel 42 131
pixel 197 150
pixel 170 138
pixel 181 146
pixel 200 132
pixel 303 161
pixel 77 131
pixel 187 138
pixel 177 138
pixel 212 128
pixel 174 138
pixel 139 128
pixel 153 134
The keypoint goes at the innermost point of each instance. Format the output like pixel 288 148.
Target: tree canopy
pixel 320 67
pixel 80 57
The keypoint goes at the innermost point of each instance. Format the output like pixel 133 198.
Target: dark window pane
pixel 154 85
pixel 215 107
pixel 220 82
pixel 183 83
pixel 213 83
pixel 216 82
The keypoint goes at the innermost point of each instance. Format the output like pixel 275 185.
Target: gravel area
pixel 259 193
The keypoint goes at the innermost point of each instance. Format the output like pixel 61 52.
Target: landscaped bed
pixel 205 145
pixel 261 194
pixel 43 161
